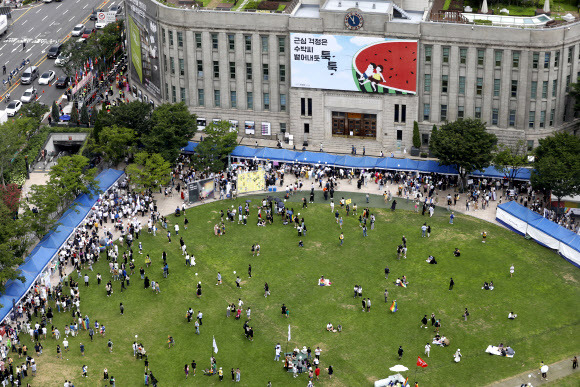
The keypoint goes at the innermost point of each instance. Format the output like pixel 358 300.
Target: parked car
pixel 46 77
pixel 62 59
pixel 94 14
pixel 87 33
pixel 13 108
pixel 54 51
pixel 62 82
pixel 116 8
pixel 29 75
pixel 78 30
pixel 29 95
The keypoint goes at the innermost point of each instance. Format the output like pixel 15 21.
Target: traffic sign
pixel 101 16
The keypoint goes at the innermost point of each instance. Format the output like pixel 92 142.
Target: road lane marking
pixel 71 19
pixel 64 13
pixel 39 9
pixel 20 16
pixel 24 22
pixel 2 47
pixel 86 5
pixel 31 29
pixel 59 29
pixel 36 36
pixel 44 18
pixel 58 6
pixel 15 48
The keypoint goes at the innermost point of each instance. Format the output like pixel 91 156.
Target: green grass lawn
pixel 544 292
pixel 521 10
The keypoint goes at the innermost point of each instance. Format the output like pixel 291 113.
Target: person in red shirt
pixel 317 372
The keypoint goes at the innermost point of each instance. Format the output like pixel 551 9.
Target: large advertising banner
pixel 143 32
pixel 354 63
pixel 251 181
pixel 201 190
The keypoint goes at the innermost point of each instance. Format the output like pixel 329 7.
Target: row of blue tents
pixel 356 162
pixel 46 249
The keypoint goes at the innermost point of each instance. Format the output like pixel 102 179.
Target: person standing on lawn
pixel 400 352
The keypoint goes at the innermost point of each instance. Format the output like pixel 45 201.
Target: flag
pixel 421 362
pixel 393 307
pixel 215 348
pixel 289 334
pixel 348 201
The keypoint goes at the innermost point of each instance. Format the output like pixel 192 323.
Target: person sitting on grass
pixel 457 253
pixel 431 260
pixel 488 286
pixel 330 328
pixel 170 341
pixel 300 243
pixel 512 316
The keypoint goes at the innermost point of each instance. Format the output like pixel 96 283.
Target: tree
pixel 434 132
pixel 465 144
pixel 55 112
pixel 70 177
pixel 10 196
pixel 116 142
pixel 84 115
pixel 34 110
pixel 511 159
pixel 74 115
pixel 173 126
pixel 218 142
pixel 149 170
pixel 13 134
pixel 135 115
pixel 416 136
pixel 12 246
pixel 41 213
pixel 557 165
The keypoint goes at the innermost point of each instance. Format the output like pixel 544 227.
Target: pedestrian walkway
pixel 556 371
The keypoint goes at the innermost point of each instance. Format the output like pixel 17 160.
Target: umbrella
pixel 65 117
pixel 248 201
pixel 398 368
pixel 544 369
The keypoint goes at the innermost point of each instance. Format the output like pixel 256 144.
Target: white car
pixel 78 30
pixel 100 25
pixel 13 108
pixel 29 95
pixel 62 59
pixel 47 1
pixel 46 77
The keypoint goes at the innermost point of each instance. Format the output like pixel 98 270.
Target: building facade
pixel 299 74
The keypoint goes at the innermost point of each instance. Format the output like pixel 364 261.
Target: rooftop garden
pixel 515 7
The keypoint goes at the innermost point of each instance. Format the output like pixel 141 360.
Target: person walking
pixel 451 217
pixel 574 363
pixel 400 352
pixel 465 315
pixel 186 369
pixel 341 238
pixel 451 283
pixel 121 308
pixel 278 350
pixel 512 269
pixel 386 295
pixel 387 271
pixel 423 230
pixel 424 322
pixel 427 349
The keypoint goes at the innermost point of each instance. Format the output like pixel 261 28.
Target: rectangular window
pixel 170 38
pixel 496 87
pixel 480 56
pixel 266 101
pixel 403 113
pixel 479 86
pixel 216 69
pixel 530 145
pixel 232 42
pixel 265 73
pixel 281 44
pixel 309 107
pixel 570 54
pixel 515 59
pixel 217 98
pixel 165 61
pixel 478 112
pixel 248 71
pixel 283 127
pixel 282 72
pixel 179 39
pixel 282 102
pixel 173 94
pixel 494 116
pixel 302 106
pixel 426 111
pixel 248 42
pixel 498 58
pixel 532 119
pixel 567 83
pixel 443 113
pixel 233 99
pixel 250 100
pixel 554 87
pixel 200 97
pixel 399 135
pixel 167 90
pixel 232 70
pixel 556 58
pixel 396 119
pixel 461 85
pixel 547 60
pixel 460 111
pixel 512 120
pixel 535 60
pixel 445 54
pixel 534 90
pixel 514 88
pixel 306 127
pixel 444 83
pixel 163 35
pixel 182 92
pixel 199 68
pixel 197 40
pixel 214 41
pixel 542 118
pixel 463 56
pixel 552 115
pixel 428 53
pixel 181 67
pixel 427 83
pixel 545 89
pixel 264 40
pixel 172 64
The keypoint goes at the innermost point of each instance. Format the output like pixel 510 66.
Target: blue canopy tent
pixel 54 240
pixel 492 172
pixel 309 157
pixel 244 152
pixel 85 200
pixel 348 161
pixel 190 147
pixel 16 288
pixel 369 162
pixel 41 257
pixel 433 166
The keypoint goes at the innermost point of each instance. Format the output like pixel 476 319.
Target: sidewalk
pixel 556 371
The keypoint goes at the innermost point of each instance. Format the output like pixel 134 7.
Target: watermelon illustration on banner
pixel 386 67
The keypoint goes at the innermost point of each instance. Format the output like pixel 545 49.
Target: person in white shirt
pixel 278 351
pixel 427 349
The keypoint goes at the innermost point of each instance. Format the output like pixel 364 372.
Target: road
pixel 41 25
